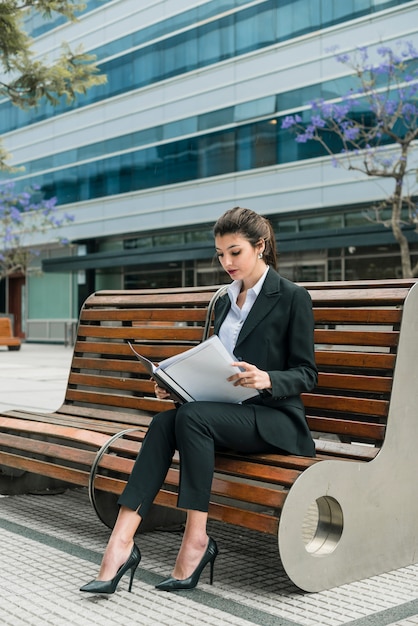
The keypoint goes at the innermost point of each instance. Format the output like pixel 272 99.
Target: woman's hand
pixel 161 393
pixel 251 377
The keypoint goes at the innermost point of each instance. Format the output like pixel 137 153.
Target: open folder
pixel 199 374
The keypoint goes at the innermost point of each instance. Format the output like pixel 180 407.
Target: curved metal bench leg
pixel 95 467
pixel 367 512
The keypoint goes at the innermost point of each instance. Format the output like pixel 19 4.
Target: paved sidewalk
pixel 52 544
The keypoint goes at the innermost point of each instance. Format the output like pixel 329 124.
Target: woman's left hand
pixel 250 377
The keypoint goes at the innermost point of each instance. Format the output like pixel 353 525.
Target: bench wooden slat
pixel 365 360
pixel 354 382
pixel 356 338
pixel 72 476
pixel 110 382
pixel 359 297
pixel 48 448
pixel 337 449
pixel 349 428
pixel 144 315
pixel 346 404
pixel 365 315
pixel 170 333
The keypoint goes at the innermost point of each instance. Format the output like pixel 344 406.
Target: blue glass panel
pixel 255 28
pixel 244 143
pixel 217 154
pixel 221 117
pixel 255 108
pixel 215 41
pixel 180 127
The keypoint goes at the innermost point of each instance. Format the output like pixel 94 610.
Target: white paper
pixel 202 373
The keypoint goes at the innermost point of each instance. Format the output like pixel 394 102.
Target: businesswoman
pixel 266 322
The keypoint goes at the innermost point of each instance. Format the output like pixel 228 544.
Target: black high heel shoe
pixel 109 586
pixel 174 584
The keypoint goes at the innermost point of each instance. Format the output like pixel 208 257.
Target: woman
pixel 266 322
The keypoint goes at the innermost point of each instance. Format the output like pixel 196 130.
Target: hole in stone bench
pixel 323 526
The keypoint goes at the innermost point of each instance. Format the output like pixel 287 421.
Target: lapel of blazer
pixel 222 307
pixel 266 300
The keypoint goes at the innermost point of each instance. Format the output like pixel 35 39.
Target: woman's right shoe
pixel 176 584
pixel 109 586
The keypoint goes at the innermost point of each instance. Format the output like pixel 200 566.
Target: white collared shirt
pixel 232 324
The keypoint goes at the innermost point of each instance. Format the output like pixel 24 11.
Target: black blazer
pixel 277 337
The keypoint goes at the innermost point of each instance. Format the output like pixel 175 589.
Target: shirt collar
pixel 235 287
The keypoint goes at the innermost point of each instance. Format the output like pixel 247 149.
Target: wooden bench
pixel 348 514
pixel 6 335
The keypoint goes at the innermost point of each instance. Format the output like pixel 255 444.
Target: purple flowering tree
pixel 373 130
pixel 22 215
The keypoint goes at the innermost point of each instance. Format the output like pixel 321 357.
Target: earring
pixel 260 255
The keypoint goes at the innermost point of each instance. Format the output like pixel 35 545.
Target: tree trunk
pixel 397 230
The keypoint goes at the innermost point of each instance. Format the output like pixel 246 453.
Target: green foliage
pixel 26 79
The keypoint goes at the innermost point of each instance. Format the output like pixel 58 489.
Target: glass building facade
pixel 188 125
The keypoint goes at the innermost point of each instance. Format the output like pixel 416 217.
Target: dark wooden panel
pixel 144 315
pixel 355 382
pixel 151 333
pixel 347 428
pixel 366 360
pixel 346 405
pixel 357 338
pixel 364 315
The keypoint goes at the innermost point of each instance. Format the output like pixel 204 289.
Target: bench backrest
pixel 356 335
pixel 106 380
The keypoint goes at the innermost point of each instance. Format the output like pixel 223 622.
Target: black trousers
pixel 196 430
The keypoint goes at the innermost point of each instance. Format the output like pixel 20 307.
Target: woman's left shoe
pixel 175 584
pixel 109 586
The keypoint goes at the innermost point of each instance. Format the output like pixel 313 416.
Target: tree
pixel 22 215
pixel 372 130
pixel 26 79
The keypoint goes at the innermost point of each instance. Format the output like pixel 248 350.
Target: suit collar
pixel 266 300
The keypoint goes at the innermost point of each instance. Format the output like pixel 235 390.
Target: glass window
pixel 68 186
pixel 138 242
pixel 287 147
pixel 149 135
pixel 221 117
pixel 372 267
pixel 286 226
pixel 179 160
pixel 215 41
pixel 264 143
pixel 180 127
pixel 124 162
pixel 168 239
pixel 296 17
pixel 199 236
pixel 355 218
pixel 147 66
pixel 154 277
pixel 244 148
pixel 217 154
pixel 255 108
pixel 120 75
pixel 181 56
pixel 321 222
pixel 255 27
